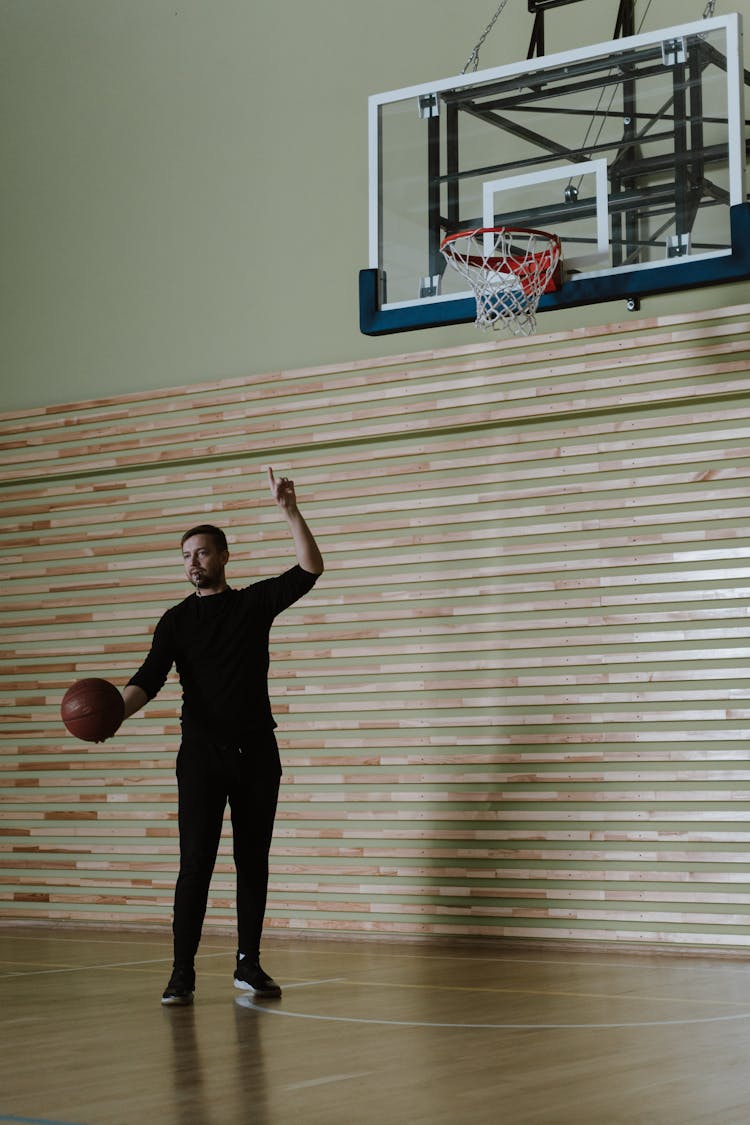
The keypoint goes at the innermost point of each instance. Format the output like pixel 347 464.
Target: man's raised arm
pixel 306 549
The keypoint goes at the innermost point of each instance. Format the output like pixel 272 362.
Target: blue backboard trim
pixel 627 285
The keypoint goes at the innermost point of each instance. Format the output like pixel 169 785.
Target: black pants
pixel 208 775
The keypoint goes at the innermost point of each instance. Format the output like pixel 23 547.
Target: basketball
pixel 92 709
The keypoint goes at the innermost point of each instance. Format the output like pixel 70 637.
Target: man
pixel 218 640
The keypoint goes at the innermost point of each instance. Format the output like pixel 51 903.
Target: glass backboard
pixel 632 151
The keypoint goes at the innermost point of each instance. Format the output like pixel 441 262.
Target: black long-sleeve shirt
pixel 219 645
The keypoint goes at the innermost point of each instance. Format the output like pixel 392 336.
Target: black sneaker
pixel 181 986
pixel 250 976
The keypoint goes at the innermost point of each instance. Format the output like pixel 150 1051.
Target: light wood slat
pixel 371 891
pixel 514 704
pixel 448 638
pixel 525 557
pixel 208 421
pixel 489 609
pixel 712 318
pixel 296 432
pixel 224 481
pixel 40 774
pixel 442 682
pixel 629 813
pixel 495 461
pixel 657 351
pixel 60 761
pixel 410 877
pixel 500 795
pixel 495 487
pixel 496 504
pixel 515 598
pixel 457 910
pixel 139 592
pixel 373 689
pixel 560 491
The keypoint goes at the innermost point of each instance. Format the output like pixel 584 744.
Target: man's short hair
pixel 218 536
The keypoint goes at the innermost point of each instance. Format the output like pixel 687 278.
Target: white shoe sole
pixel 267 993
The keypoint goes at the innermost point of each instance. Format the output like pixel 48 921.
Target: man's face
pixel 204 563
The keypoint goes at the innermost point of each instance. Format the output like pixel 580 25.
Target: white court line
pixel 246 1002
pixel 308 983
pixel 83 968
pixel 638 960
pixel 132 964
pixel 653 959
pixel 95 968
pixel 325 1081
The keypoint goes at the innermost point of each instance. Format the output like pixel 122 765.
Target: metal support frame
pixel 625 24
pixel 429 286
pixel 631 167
pixel 627 234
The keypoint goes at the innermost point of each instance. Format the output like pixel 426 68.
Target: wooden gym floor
pixel 368 1033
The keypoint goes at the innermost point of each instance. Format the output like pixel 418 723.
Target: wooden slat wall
pixel 517 702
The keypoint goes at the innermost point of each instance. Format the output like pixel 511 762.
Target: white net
pixel 508 270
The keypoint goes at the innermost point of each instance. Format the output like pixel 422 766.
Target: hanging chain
pixel 708 11
pixel 472 63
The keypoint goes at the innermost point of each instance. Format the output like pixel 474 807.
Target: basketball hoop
pixel 508 269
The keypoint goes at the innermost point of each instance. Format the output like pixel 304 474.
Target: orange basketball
pixel 92 709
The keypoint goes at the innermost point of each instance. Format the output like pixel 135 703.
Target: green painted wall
pixel 165 162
